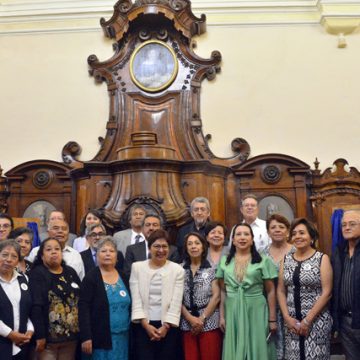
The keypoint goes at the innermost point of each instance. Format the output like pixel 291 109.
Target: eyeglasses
pixel 5 226
pixel 5 256
pixel 97 235
pixel 350 224
pixel 160 247
pixel 201 209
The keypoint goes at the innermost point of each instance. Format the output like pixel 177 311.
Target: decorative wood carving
pixel 4 193
pixel 337 188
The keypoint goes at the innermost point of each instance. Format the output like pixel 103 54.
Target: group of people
pixel 264 293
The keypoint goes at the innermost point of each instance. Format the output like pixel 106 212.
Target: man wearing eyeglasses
pixel 94 233
pixel 346 291
pixel 6 225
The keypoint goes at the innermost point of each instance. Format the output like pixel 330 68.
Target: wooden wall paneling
pixel 335 188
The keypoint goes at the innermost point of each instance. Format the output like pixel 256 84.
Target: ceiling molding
pixel 38 16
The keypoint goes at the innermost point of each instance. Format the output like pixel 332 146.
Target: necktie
pixel 95 260
pixel 137 239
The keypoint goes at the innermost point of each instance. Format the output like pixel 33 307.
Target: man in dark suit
pixel 140 251
pixel 200 213
pixel 94 233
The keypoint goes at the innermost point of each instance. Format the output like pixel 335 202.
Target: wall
pixel 285 86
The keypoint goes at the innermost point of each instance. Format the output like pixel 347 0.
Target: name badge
pixel 122 293
pixel 24 286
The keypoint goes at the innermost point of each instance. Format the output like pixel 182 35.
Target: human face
pixel 249 210
pixel 194 247
pixel 9 259
pixel 5 228
pixel 95 236
pixel 24 241
pixel 351 225
pixel 216 237
pixel 200 213
pixel 59 230
pixel 159 251
pixel 242 239
pixel 300 237
pixel 56 215
pixel 150 225
pixel 107 255
pixel 91 219
pixel 52 254
pixel 278 231
pixel 137 218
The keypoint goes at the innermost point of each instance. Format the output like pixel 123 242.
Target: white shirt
pixel 70 256
pixel 134 235
pixel 80 244
pixel 13 292
pixel 261 237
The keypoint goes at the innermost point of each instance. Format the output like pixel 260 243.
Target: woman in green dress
pixel 246 316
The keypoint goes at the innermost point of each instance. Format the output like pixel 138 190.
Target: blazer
pixel 89 264
pixel 7 314
pixel 123 239
pixel 138 252
pixel 171 292
pixel 94 315
pixel 40 284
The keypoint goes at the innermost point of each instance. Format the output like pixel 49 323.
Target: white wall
pixel 284 88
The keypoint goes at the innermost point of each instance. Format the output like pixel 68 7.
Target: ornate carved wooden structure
pixel 155 152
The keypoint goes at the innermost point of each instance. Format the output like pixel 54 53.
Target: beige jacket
pixel 171 293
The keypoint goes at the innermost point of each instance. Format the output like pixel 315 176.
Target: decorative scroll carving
pixel 69 154
pixel 271 174
pixel 4 193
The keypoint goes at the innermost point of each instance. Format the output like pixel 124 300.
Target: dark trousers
pixel 145 349
pixel 350 339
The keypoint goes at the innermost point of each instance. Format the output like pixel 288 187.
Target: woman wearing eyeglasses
pixel 156 288
pixel 6 225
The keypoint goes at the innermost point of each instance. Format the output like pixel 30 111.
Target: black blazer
pixel 40 284
pixel 138 252
pixel 94 316
pixel 7 314
pixel 89 264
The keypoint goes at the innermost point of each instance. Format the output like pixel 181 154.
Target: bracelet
pixel 306 322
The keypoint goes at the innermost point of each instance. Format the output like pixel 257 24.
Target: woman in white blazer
pixel 157 287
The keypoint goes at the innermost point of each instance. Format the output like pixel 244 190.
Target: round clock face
pixel 153 66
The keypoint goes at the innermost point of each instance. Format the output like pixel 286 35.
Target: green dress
pixel 246 311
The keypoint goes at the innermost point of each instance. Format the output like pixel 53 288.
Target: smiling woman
pixel 156 303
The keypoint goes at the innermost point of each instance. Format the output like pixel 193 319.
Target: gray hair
pixel 11 243
pixel 106 240
pixel 154 216
pixel 249 196
pixel 89 229
pixel 356 211
pixel 200 199
pixel 133 208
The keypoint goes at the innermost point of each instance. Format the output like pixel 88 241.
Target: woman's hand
pixel 222 324
pixel 304 328
pixel 197 325
pixel 163 330
pixel 292 324
pixel 40 345
pixel 152 332
pixel 19 338
pixel 86 347
pixel 273 327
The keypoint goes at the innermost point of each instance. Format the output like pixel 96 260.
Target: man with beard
pixel 200 213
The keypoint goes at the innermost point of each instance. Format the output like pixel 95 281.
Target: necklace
pixel 241 264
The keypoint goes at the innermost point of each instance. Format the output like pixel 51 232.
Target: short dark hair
pixel 6 216
pixel 20 231
pixel 255 256
pixel 38 259
pixel 11 243
pixel 211 225
pixel 311 229
pixel 94 212
pixel 154 216
pixel 203 242
pixel 156 235
pixel 279 218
